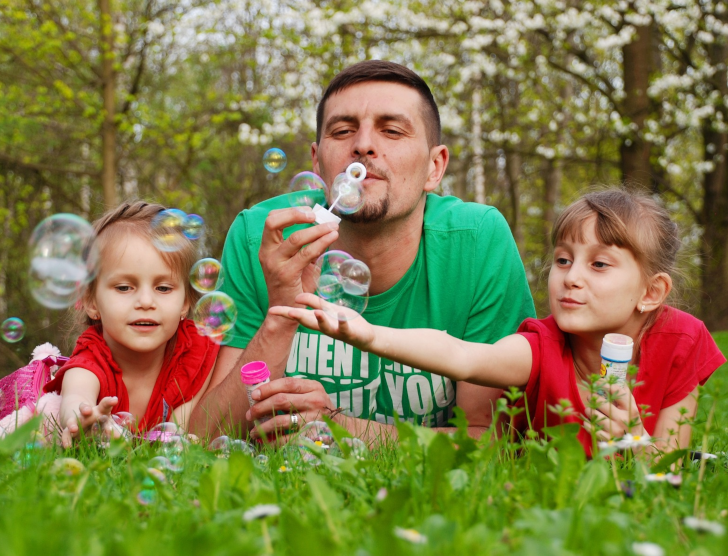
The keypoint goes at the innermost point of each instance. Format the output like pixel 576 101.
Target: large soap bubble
pixel 342 282
pixel 193 226
pixel 215 314
pixel 274 160
pixel 168 230
pixel 206 275
pixel 347 195
pixel 62 260
pixel 13 330
pixel 305 188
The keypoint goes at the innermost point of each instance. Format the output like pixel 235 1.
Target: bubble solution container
pixel 616 354
pixel 254 375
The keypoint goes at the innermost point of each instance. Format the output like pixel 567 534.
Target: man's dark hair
pixel 379 70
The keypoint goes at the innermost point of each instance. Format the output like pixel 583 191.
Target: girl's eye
pixel 562 261
pixel 599 264
pixel 164 289
pixel 123 288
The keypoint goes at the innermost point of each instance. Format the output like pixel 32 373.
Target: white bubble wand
pixel 356 171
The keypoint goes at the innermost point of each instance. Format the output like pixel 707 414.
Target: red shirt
pixel 183 372
pixel 677 354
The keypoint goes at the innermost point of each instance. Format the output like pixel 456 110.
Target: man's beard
pixel 369 213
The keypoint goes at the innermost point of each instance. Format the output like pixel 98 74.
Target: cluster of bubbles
pixel 215 313
pixel 347 193
pixel 62 260
pixel 275 160
pixel 12 330
pixel 172 228
pixel 316 440
pixel 342 282
pixel 224 446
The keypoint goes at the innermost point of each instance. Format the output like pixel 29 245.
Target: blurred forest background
pixel 177 101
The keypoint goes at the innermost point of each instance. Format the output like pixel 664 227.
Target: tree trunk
pixel 478 170
pixel 552 188
pixel 714 241
pixel 108 127
pixel 513 171
pixel 637 66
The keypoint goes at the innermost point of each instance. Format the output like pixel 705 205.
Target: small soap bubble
pixel 13 330
pixel 193 226
pixel 357 448
pixel 355 277
pixel 124 419
pixel 148 494
pixel 223 446
pixel 165 432
pixel 318 432
pixel 168 230
pixel 157 475
pixel 206 275
pixel 329 286
pixel 274 160
pixel 215 314
pixel 347 196
pixel 306 189
pixel 62 260
pixel 67 467
pixel 261 461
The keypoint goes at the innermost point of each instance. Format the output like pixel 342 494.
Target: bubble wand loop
pixel 355 172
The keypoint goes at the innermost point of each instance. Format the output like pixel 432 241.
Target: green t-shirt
pixel 467 279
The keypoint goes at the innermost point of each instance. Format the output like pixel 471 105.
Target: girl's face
pixel 139 301
pixel 594 288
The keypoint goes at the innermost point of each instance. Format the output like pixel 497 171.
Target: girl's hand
pixel 86 417
pixel 617 418
pixel 352 328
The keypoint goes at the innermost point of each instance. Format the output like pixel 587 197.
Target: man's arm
pixel 286 267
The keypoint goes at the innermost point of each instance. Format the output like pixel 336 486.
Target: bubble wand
pixel 355 172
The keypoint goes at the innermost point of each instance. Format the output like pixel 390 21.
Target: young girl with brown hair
pixel 613 255
pixel 140 354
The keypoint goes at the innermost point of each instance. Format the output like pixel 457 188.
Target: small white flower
pixel 704 526
pixel 609 444
pixel 381 494
pixel 410 535
pixel 260 511
pixel 706 455
pixel 647 549
pixel 632 441
pixel 656 477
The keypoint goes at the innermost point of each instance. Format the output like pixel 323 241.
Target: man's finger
pixel 308 242
pixel 310 300
pixel 287 385
pixel 280 219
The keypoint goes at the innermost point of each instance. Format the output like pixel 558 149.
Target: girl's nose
pixel 574 276
pixel 145 298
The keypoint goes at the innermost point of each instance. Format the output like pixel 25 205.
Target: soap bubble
pixel 148 494
pixel 13 330
pixel 206 275
pixel 306 189
pixel 165 432
pixel 347 196
pixel 62 260
pixel 317 432
pixel 67 467
pixel 215 314
pixel 157 475
pixel 168 230
pixel 261 460
pixel 355 277
pixel 342 282
pixel 224 446
pixel 357 448
pixel 274 160
pixel 124 419
pixel 193 226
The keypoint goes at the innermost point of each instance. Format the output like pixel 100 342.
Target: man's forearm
pixel 224 405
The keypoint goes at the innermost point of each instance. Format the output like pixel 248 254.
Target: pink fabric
pixel 22 388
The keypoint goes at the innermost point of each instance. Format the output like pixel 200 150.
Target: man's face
pixel 381 125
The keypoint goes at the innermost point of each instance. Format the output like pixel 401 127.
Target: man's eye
pixel 393 132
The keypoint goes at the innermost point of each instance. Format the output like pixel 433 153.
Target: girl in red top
pixel 140 354
pixel 613 254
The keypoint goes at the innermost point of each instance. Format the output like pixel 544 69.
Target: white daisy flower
pixel 632 441
pixel 704 526
pixel 609 444
pixel 381 494
pixel 410 535
pixel 674 480
pixel 260 511
pixel 647 549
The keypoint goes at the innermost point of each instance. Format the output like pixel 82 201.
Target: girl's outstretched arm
pixel 79 409
pixel 500 365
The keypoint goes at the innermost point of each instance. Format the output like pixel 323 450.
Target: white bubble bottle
pixel 254 375
pixel 616 354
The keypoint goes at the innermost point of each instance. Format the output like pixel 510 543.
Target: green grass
pixel 539 498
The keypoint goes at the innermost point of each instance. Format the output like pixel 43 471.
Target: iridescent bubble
pixel 347 196
pixel 224 446
pixel 148 494
pixel 274 160
pixel 355 277
pixel 67 467
pixel 165 432
pixel 357 448
pixel 330 263
pixel 157 475
pixel 215 314
pixel 193 226
pixel 318 432
pixel 12 330
pixel 206 275
pixel 62 260
pixel 168 230
pixel 307 189
pixel 329 286
pixel 261 461
pixel 124 419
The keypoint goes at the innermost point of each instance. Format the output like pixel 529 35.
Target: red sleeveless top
pixel 183 372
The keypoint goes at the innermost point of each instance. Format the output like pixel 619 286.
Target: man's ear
pixel 658 288
pixel 439 157
pixel 314 158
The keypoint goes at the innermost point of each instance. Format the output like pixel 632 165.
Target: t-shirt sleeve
pixel 242 268
pixel 82 362
pixel 695 367
pixel 502 298
pixel 534 340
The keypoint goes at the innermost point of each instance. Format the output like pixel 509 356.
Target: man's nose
pixel 364 141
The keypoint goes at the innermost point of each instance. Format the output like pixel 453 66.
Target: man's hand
pixel 350 327
pixel 287 264
pixel 296 396
pixel 86 417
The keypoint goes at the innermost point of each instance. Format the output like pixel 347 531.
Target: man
pixel 435 262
